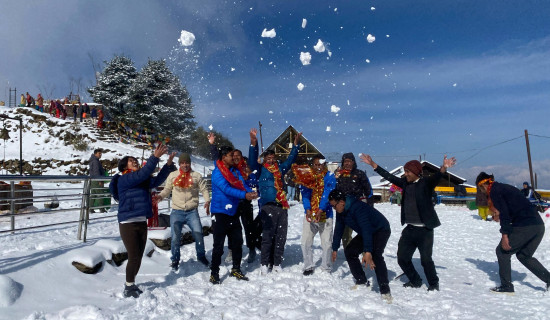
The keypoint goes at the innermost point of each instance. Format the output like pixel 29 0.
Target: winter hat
pixel 414 166
pixel 526 183
pixel 483 176
pixel 184 157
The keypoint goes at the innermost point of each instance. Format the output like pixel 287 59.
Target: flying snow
pixel 305 57
pixel 320 46
pixel 304 23
pixel 269 34
pixel 372 8
pixel 367 60
pixel 186 38
pixel 301 86
pixel 370 38
pixel 229 95
pixel 210 127
pixel 334 108
pixel 328 128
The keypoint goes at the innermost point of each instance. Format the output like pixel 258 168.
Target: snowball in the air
pixel 304 23
pixel 328 128
pixel 454 84
pixel 230 97
pixel 334 109
pixel 372 8
pixel 320 46
pixel 269 34
pixel 370 38
pixel 270 111
pixel 367 61
pixel 301 86
pixel 305 57
pixel 186 38
pixel 210 127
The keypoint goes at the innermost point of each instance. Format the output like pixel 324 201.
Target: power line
pixel 488 147
pixel 536 135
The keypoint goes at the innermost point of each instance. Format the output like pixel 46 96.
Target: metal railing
pixel 87 196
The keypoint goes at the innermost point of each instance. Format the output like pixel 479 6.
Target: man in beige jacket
pixel 184 184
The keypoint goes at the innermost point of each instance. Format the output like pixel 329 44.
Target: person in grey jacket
pixel 97 171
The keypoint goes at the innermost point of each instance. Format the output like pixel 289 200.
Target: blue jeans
pixel 177 219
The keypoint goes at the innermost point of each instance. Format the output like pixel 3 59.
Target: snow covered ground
pixel 38 262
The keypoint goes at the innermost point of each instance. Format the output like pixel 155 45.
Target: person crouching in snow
pixel 184 185
pixel 521 227
pixel 132 190
pixel 315 183
pixel 228 188
pixel 373 231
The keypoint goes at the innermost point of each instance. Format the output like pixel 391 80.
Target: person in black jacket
pixel 373 231
pixel 522 231
pixel 417 211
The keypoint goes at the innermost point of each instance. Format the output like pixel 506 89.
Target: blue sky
pixel 443 76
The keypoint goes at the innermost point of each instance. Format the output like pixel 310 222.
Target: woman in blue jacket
pixel 131 189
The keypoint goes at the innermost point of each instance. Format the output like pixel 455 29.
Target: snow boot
pixel 509 290
pixel 214 278
pixel 131 291
pixel 238 274
pixel 308 272
pixel 411 284
pixel 433 287
pixel 174 265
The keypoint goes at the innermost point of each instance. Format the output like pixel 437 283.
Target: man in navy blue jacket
pixel 373 231
pixel 228 188
pixel 521 227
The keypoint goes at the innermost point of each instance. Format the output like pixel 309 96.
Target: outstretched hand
pixel 253 136
pixel 448 163
pixel 367 159
pixel 211 137
pixel 297 138
pixel 160 150
pixel 171 158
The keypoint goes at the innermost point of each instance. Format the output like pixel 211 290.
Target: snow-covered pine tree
pixel 161 104
pixel 112 85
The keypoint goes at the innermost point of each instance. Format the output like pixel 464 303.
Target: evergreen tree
pixel 201 146
pixel 112 85
pixel 161 104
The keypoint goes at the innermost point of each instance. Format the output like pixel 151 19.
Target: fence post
pixel 87 209
pixel 82 209
pixel 12 205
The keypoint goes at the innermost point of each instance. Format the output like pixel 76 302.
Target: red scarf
pixel 345 173
pixel 127 171
pixel 241 166
pixel 309 178
pixel 278 184
pixel 184 180
pixel 228 175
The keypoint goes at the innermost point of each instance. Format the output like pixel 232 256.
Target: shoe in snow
pixel 131 291
pixel 360 284
pixel 433 287
pixel 238 274
pixel 411 284
pixel 387 297
pixel 214 278
pixel 175 266
pixel 308 272
pixel 264 270
pixel 277 269
pixel 503 289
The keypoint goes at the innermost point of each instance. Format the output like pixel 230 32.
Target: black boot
pixel 214 278
pixel 238 274
pixel 131 291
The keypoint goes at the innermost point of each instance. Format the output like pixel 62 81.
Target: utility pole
pixel 529 159
pixel 261 138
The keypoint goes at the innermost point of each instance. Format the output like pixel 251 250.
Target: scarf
pixel 184 180
pixel 241 166
pixel 309 178
pixel 278 184
pixel 345 173
pixel 127 171
pixel 229 176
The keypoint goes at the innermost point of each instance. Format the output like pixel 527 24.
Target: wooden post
pixel 529 159
pixel 261 138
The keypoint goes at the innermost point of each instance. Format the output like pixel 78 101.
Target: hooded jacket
pixel 357 184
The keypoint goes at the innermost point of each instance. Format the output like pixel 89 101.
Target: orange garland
pixel 278 184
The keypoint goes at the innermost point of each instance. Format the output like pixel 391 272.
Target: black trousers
pixel 274 231
pixel 252 227
pixel 524 242
pixel 355 248
pixel 134 237
pixel 420 238
pixel 224 225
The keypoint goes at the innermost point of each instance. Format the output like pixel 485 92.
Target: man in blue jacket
pixel 132 190
pixel 315 183
pixel 228 188
pixel 273 202
pixel 373 231
pixel 521 227
pixel 418 213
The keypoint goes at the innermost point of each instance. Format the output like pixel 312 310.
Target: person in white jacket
pixel 184 185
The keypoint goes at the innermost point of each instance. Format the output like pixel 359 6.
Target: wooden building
pixel 282 146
